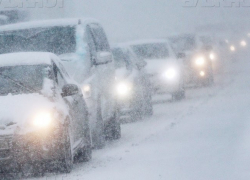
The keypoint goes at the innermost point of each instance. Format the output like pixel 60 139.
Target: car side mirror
pixel 69 90
pixel 181 55
pixel 103 58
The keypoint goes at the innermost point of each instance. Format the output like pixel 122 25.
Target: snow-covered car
pixel 83 47
pixel 134 99
pixel 164 69
pixel 198 55
pixel 43 115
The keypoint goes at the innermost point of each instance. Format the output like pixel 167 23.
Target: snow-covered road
pixel 205 137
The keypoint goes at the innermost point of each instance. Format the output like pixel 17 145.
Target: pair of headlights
pixel 200 61
pixel 243 43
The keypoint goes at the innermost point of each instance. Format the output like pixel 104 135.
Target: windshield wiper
pixel 18 83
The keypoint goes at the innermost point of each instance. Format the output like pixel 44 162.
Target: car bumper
pixel 31 147
pixel 164 86
pixel 198 75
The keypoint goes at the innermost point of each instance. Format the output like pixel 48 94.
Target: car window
pixel 151 51
pixel 121 59
pixel 91 44
pixel 58 40
pixel 100 38
pixel 60 81
pixel 63 70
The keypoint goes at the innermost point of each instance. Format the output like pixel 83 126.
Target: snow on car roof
pixel 47 23
pixel 26 58
pixel 146 41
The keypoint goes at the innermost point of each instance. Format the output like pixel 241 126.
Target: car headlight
pixel 200 61
pixel 123 88
pixel 212 56
pixel 232 48
pixel 86 88
pixel 42 119
pixel 243 43
pixel 171 73
pixel 202 73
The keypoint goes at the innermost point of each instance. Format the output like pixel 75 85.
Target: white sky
pixel 136 19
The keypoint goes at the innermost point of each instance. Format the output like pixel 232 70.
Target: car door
pixel 81 112
pixel 104 72
pixel 77 123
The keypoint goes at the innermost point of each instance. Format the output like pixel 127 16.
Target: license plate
pixel 4 145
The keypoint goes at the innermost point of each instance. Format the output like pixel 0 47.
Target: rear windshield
pixel 183 43
pixel 58 40
pixel 121 59
pixel 151 51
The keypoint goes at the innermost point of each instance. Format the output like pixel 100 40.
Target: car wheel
pixel 85 154
pixel 113 128
pixel 148 106
pixel 98 137
pixel 178 95
pixel 67 159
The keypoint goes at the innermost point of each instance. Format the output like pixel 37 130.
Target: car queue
pixel 73 90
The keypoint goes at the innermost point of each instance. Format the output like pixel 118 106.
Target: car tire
pixel 113 128
pixel 67 159
pixel 148 106
pixel 179 95
pixel 98 136
pixel 85 154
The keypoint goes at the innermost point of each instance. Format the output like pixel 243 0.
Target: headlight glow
pixel 202 73
pixel 86 88
pixel 123 88
pixel 42 119
pixel 243 43
pixel 232 48
pixel 170 73
pixel 200 61
pixel 212 56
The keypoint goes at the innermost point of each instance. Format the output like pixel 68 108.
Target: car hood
pixel 155 66
pixel 19 110
pixel 122 73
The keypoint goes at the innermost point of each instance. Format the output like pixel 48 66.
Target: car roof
pixel 47 23
pixel 26 58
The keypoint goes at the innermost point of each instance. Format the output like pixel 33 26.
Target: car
pixel 43 115
pixel 134 99
pixel 164 70
pixel 84 49
pixel 198 56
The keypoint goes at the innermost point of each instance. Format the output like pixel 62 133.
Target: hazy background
pixel 136 19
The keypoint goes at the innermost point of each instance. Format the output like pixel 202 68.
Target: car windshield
pixel 58 40
pixel 184 43
pixel 121 59
pixel 22 79
pixel 151 51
